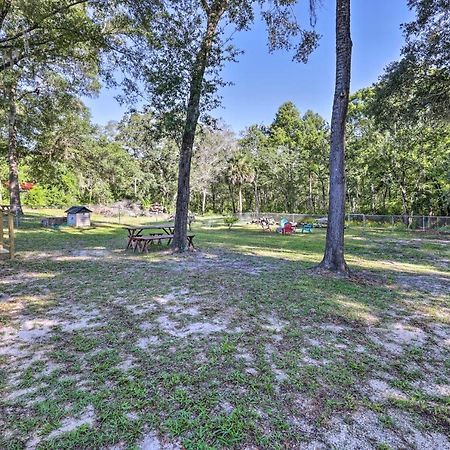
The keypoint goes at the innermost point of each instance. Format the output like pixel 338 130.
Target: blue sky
pixel 263 81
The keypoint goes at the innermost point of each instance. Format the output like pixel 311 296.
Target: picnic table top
pixel 150 227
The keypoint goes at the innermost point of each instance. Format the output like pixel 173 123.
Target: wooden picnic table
pixel 138 231
pixel 141 243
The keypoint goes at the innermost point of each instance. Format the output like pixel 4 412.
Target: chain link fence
pixel 400 222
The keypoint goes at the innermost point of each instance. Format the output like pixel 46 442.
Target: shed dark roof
pixel 77 210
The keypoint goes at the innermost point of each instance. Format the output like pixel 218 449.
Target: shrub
pixel 59 198
pixel 36 198
pixel 40 197
pixel 230 221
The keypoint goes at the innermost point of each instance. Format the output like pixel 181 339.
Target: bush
pixel 229 221
pixel 59 198
pixel 40 197
pixel 36 198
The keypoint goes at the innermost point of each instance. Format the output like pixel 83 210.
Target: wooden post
pixel 11 235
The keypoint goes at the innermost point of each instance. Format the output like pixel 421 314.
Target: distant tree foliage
pixel 398 169
pixel 401 171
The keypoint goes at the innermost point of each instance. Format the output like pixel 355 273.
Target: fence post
pixel 364 221
pixel 119 214
pixel 12 248
pixel 392 223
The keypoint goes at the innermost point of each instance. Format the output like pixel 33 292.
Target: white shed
pixel 79 217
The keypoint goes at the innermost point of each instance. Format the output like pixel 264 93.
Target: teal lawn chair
pixel 307 228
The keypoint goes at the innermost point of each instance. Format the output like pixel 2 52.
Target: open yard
pixel 236 345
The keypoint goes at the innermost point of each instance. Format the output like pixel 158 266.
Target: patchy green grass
pixel 237 345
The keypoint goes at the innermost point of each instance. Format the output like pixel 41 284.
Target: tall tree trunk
pixel 180 243
pixel 204 202
pixel 233 204
pixel 13 157
pixel 310 197
pixel 405 201
pixel 333 259
pixel 240 199
pixel 372 198
pixel 257 204
pixel 324 195
pixel 213 198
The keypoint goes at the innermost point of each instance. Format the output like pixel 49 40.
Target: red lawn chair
pixel 288 229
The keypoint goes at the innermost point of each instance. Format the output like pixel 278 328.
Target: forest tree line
pixel 392 168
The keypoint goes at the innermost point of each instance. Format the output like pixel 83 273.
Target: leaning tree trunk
pixel 180 243
pixel 333 259
pixel 13 157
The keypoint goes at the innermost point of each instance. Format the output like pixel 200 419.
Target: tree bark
pixel 13 157
pixel 180 243
pixel 257 204
pixel 233 204
pixel 333 259
pixel 405 201
pixel 240 199
pixel 310 198
pixel 204 202
pixel 213 198
pixel 324 195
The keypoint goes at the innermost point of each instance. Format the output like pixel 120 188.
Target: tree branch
pixel 205 6
pixel 15 59
pixel 39 24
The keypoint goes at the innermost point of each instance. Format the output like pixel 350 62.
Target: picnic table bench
pixel 158 233
pixel 141 243
pixel 158 229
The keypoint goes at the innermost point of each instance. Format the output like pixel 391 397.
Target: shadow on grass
pixel 252 270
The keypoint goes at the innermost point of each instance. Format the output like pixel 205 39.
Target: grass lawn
pixel 236 345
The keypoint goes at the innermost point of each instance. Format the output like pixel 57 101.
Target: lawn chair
pixel 287 229
pixel 307 228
